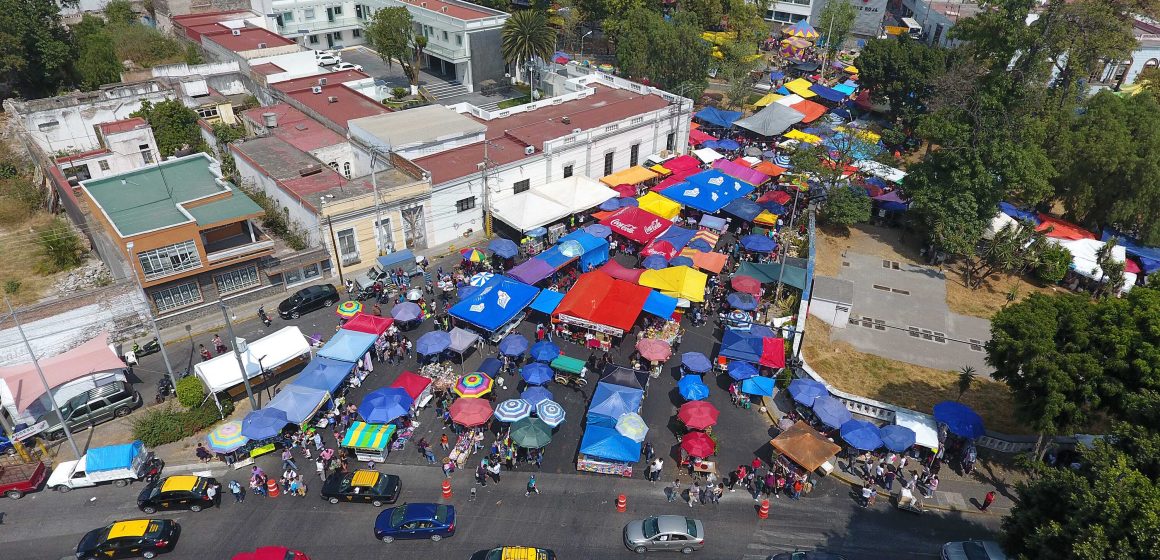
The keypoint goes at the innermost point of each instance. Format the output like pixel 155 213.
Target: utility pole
pixel 237 354
pixel 153 321
pixel 781 246
pixel 337 251
pixel 47 390
pixel 829 46
pixel 483 166
pixel 378 215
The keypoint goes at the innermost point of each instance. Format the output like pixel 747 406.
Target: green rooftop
pixel 147 199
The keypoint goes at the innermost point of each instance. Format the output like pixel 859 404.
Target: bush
pixel 190 391
pixel 169 423
pixel 399 93
pixel 846 206
pixel 1054 262
pixel 60 248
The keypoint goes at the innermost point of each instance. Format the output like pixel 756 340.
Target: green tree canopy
pixel 902 72
pixel 174 125
pixel 835 22
pixel 648 39
pixel 36 54
pixel 391 32
pixel 526 35
pixel 96 62
pixel 846 206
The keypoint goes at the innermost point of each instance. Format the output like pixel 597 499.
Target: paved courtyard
pixel 446 90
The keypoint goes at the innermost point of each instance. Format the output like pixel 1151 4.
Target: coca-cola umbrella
pixel 698 444
pixel 746 284
pixel 698 414
pixel 470 412
pixel 654 350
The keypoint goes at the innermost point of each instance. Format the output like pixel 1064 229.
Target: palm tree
pixel 527 35
pixel 966 377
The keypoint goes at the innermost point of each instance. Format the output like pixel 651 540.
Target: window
pixel 356 33
pixel 207 112
pixel 633 154
pixel 568 170
pixel 170 259
pixel 146 153
pixel 309 13
pixel 1152 63
pixel 312 39
pixel 287 17
pixel 177 296
pixel 671 141
pixel 236 280
pixel 347 246
pixel 785 17
pixel 81 172
pixel 608 163
pixel 338 10
pixel 521 186
pixel 459 40
pixel 333 165
pixel 445 36
pixel 465 204
pixel 346 169
pixel 337 35
pixel 384 234
pixel 103 164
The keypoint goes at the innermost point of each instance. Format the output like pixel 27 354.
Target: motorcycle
pixel 164 389
pixel 153 470
pixel 150 347
pixel 263 316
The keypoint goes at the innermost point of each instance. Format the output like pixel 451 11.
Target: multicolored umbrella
pixel 348 309
pixel 698 444
pixel 531 433
pixel 470 412
pixel 473 385
pixel 698 414
pixel 472 254
pixel 632 426
pixel 479 279
pixel 226 437
pixel 512 410
pixel 550 412
pixel 654 350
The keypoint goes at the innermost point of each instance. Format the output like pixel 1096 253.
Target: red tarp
pixel 1061 229
pixel 1131 266
pixel 810 109
pixel 412 383
pixel 625 191
pixel 618 271
pixel 674 179
pixel 773 352
pixel 370 324
pixel 636 224
pixel 686 164
pixel 697 137
pixel 599 298
pixel 89 358
pixel 662 247
pixel 780 197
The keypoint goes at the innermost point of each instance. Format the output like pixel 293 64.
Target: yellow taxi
pixel 363 485
pixel 177 492
pixel 131 538
pixel 515 553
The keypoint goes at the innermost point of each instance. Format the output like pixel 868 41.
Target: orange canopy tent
pixel 811 110
pixel 1060 229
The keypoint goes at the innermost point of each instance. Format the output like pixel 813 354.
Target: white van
pixel 912 27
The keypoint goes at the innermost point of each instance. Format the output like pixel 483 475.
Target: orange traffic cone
pixel 763 511
pixel 272 488
pixel 446 489
pixel 621 503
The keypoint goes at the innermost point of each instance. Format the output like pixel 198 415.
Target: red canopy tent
pixel 618 271
pixel 370 324
pixel 662 247
pixel 1061 229
pixel 625 191
pixel 773 352
pixel 90 358
pixel 683 164
pixel 697 137
pixel 780 197
pixel 601 299
pixel 411 382
pixel 636 224
pixel 674 179
pixel 810 109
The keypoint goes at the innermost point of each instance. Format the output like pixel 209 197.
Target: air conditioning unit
pixel 321 81
pixel 332 99
pixel 235 32
pixel 529 150
pixel 315 89
pixel 261 45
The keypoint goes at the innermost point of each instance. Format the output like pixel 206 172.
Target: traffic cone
pixel 763 511
pixel 621 503
pixel 272 489
pixel 446 489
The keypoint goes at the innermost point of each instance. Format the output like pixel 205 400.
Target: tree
pixel 527 36
pixel 846 206
pixel 966 378
pixel 37 53
pixel 1014 249
pixel 835 21
pixel 391 32
pixel 96 62
pixel 1054 262
pixel 1112 277
pixel 174 126
pixel 647 38
pixel 120 12
pixel 902 72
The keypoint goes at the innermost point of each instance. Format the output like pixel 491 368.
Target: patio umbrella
pixel 782 160
pixel 544 351
pixel 405 312
pixel 348 309
pixel 700 245
pixel 490 366
pixel 728 144
pixel 632 426
pixel 747 284
pixel 531 433
pixel 832 412
pixel 611 204
pixel 264 423
pixel 698 414
pixel 415 295
pixel 758 386
pixel 433 343
pixel 742 300
pixel 383 405
pixel 654 262
pixel 536 395
pixel 692 388
pixel 805 391
pixel 740 370
pixel 758 243
pixel 696 361
pixel 479 279
pixel 550 412
pixel 226 437
pixel 598 230
pixel 753 151
pixel 470 412
pixel 861 435
pixel 654 350
pixel 513 345
pixel 959 418
pixel 681 261
pixel 698 444
pixel 473 385
pixel 512 410
pixel 505 248
pixel 896 438
pixel 536 373
pixel 571 248
pixel 472 254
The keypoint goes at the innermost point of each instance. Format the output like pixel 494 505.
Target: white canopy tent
pixel 1083 258
pixel 577 193
pixel 707 155
pixel 1000 221
pixel 882 171
pixel 547 203
pixel 274 350
pixel 924 426
pixel 791 99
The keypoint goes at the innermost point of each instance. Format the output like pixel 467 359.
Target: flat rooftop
pixel 420 125
pixel 459 10
pixel 306 82
pixel 267 68
pixel 339 103
pixel 123 125
pixel 248 39
pixel 295 127
pixel 152 198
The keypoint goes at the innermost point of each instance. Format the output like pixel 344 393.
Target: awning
pixel 803 137
pixel 677 281
pixel 827 93
pixel 774 119
pixel 404 257
pixel 1061 229
pixel 411 382
pixel 348 346
pixel 370 437
pixel 660 305
pixel 372 324
pixel 717 117
pixel 606 443
pixel 707 155
pixel 89 358
pixel 708 191
pixel 659 205
pixel 713 222
pixel 741 171
pixel 697 137
pixel 531 271
pixel 632 176
pixel 743 208
pixel 924 427
pixel 599 298
pixel 767 273
pixel 801 87
pixel 809 109
pixel 275 349
pixel 683 165
pixel 529 210
pixel 767 99
pixel 298 402
pixel 618 271
pixel 547 301
pixel 709 261
pixel 805 446
pixel 636 224
pixel 324 373
pixel 462 340
pixel 495 304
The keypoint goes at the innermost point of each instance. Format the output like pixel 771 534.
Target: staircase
pixel 443 89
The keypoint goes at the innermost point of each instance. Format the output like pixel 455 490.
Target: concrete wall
pixel 66 123
pixel 296 209
pixel 342 156
pixel 486 58
pixel 182 70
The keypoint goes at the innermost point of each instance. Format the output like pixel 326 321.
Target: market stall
pixel 677 281
pixel 603 450
pixel 603 306
pixel 741 172
pixel 369 441
pixel 496 307
pixel 348 346
pixel 298 402
pixel 742 344
pixel 634 175
pixel 802 448
pixel 614 400
pixel 708 191
pixel 279 351
pixel 325 374
pixel 637 225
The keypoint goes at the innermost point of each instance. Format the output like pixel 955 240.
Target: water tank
pixel 270 120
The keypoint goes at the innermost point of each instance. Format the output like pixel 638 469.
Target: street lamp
pixel 582 42
pixel 238 355
pixel 153 321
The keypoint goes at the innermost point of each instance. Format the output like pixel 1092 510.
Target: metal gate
pixel 414 228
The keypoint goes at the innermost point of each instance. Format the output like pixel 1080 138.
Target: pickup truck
pixel 19 479
pixel 119 464
pixel 404 259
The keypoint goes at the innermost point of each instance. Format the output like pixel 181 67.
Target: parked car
pixel 129 539
pixel 93 407
pixel 326 58
pixel 346 66
pixel 362 486
pixel 973 550
pixel 308 299
pixel 515 553
pixel 415 521
pixel 664 532
pixel 271 553
pixel 119 464
pixel 816 555
pixel 176 492
pixel 18 480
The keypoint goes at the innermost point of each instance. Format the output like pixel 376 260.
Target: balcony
pixel 245 241
pixel 319 25
pixel 448 53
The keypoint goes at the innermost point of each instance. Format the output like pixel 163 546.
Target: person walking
pixel 481 473
pixel 444 442
pixel 204 352
pixel 237 491
pixel 988 500
pixel 931 486
pixel 218 345
pixel 718 491
pixel 694 493
pixel 288 460
pixel 212 493
pixel 657 466
pixel 673 491
pixel 531 486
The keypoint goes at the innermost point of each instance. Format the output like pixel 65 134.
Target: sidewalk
pixel 955 492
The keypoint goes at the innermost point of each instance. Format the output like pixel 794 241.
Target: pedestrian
pixel 889 478
pixel 988 500
pixel 481 473
pixel 797 489
pixel 292 487
pixel 288 460
pixel 448 467
pixel 648 451
pixel 320 468
pixel 238 492
pixel 531 486
pixel 444 442
pixel 301 487
pixel 718 491
pixel 657 466
pixel 205 355
pixel 211 493
pixel 694 492
pixel 931 486
pixel 219 346
pixel 202 453
pixel 673 491
pixel 493 469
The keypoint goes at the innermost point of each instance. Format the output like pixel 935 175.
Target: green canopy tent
pixel 767 273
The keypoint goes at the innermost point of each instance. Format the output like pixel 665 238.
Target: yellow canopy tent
pixel 769 98
pixel 656 204
pixel 766 218
pixel 801 86
pixel 677 281
pixel 660 170
pixel 634 175
pixel 803 137
pixel 867 135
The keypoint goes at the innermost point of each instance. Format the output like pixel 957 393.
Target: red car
pixel 272 553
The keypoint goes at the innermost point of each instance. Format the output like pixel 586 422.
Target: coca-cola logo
pixel 653 226
pixel 628 228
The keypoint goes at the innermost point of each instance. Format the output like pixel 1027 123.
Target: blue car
pixel 415 521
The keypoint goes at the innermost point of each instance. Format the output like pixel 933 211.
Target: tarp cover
pixel 631 176
pixel 324 373
pixel 811 111
pixel 774 119
pixel 530 209
pixel 708 191
pixel 411 382
pixel 298 402
pixel 801 86
pixel 741 171
pixel 606 443
pixel 743 208
pixel 710 261
pixel 404 257
pixel 636 224
pixel 767 273
pixel 924 427
pixel 279 347
pixel 112 457
pixel 365 322
pixel 93 356
pixel 618 271
pixel 614 400
pixel 881 170
pixel 677 281
pixel 660 305
pixel 1062 229
pixel 827 93
pixel 805 446
pixel 547 301
pixel 1149 257
pixel 599 298
pixel 495 304
pixel 717 117
pixel 696 137
pixel 348 346
pixel 659 205
pixel 1019 214
pixel 707 154
pixel 530 271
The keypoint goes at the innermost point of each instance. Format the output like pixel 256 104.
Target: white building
pixel 831 300
pixel 125 145
pixel 868 15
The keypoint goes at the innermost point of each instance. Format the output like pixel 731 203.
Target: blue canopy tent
pixel 741 370
pixel 713 222
pixel 743 208
pixel 324 373
pixel 496 303
pixel 861 435
pixel 660 305
pixel 615 400
pixel 1149 257
pixel 831 95
pixel 717 117
pixel 741 345
pixel 600 420
pixel 111 457
pixel 598 230
pixel 347 346
pixel 397 258
pixel 595 248
pixel 432 343
pixel 960 419
pixel 384 405
pixel 547 301
pixel 1018 213
pixel 505 248
pixel 844 88
pixel 606 443
pixel 773 207
pixel 759 243
pixel 264 423
pixel 758 386
pixel 677 236
pixel 708 191
pixel 298 402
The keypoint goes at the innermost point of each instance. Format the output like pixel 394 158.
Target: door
pixel 408 530
pixel 129 547
pixel 100 410
pixel 414 227
pixel 330 14
pixel 79 417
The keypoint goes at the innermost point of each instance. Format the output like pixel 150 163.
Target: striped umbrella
pixel 550 412
pixel 227 437
pixel 782 160
pixel 632 426
pixel 473 385
pixel 348 309
pixel 472 254
pixel 512 410
pixel 479 279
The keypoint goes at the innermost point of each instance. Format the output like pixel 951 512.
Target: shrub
pixel 846 206
pixel 11 286
pixel 190 391
pixel 60 248
pixel 1054 262
pixel 169 423
pixel 399 93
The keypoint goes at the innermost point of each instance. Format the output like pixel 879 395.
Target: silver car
pixel 664 532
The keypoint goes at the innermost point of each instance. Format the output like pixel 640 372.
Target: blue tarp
pixel 348 346
pixel 547 301
pixel 708 191
pixel 112 457
pixel 1018 213
pixel 776 75
pixel 758 386
pixel 600 420
pixel 743 208
pixel 676 235
pixel 607 443
pixel 827 93
pixel 324 373
pixel 298 402
pixel 497 302
pixel 713 222
pixel 783 91
pixel 1149 257
pixel 844 89
pixel 404 257
pixel 615 400
pixel 741 345
pixel 555 258
pixel 595 249
pixel 660 305
pixel 718 117
pixel 960 419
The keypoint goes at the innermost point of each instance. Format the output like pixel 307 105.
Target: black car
pixel 130 539
pixel 177 492
pixel 362 486
pixel 308 299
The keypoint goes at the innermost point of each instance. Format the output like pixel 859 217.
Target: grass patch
pixel 907 385
pixel 989 298
pixel 509 103
pixel 19 254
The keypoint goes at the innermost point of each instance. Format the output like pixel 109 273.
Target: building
pixel 831 300
pixel 190 235
pixel 303 133
pixel 938 17
pixel 1121 73
pixel 329 98
pixel 125 145
pixel 868 17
